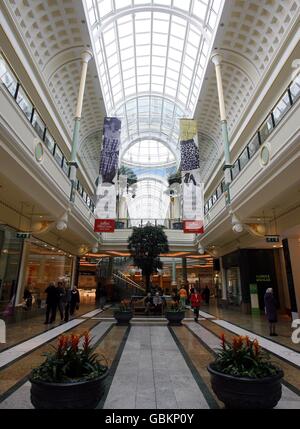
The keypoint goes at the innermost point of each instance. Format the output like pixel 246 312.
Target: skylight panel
pixel 200 9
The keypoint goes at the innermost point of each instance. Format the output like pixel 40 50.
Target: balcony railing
pixel 284 104
pixel 165 223
pixel 18 93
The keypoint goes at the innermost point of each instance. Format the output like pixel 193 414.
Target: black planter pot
pixel 79 395
pixel 123 317
pixel 175 317
pixel 246 393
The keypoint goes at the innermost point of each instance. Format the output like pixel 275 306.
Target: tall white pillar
pixel 86 56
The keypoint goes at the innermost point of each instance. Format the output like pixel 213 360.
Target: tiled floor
pixel 152 366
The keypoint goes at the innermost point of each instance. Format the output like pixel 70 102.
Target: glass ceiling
pixel 151 56
pixel 148 152
pixel 150 202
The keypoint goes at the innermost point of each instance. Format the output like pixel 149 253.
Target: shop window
pixel 7 77
pixel 266 129
pixel 235 169
pixel 24 103
pixel 66 167
pixel 244 158
pixel 281 108
pixel 58 155
pixel 295 88
pixel 49 141
pixel 38 124
pixel 10 258
pixel 219 190
pixel 253 146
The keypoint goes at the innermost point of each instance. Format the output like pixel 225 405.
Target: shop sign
pixel 254 299
pixel 272 238
pixel 263 278
pixel 104 225
pixel 23 234
pixel 193 226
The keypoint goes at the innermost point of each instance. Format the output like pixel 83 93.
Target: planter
pixel 175 317
pixel 123 317
pixel 246 393
pixel 77 395
pixel 177 225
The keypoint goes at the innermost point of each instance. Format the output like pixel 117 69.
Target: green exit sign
pixel 23 234
pixel 272 238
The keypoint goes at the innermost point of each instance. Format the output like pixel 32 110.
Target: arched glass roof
pixel 150 202
pixel 151 56
pixel 148 153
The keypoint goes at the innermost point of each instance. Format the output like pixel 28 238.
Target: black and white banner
pixel 106 189
pixel 192 187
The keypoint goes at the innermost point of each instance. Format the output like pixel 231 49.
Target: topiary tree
pixel 145 245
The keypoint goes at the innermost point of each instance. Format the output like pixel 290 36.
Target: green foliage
pixel 131 176
pixel 124 306
pixel 145 245
pixel 244 358
pixel 70 363
pixel 174 177
pixel 175 306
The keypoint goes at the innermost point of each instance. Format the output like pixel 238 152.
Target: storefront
pixel 10 256
pixel 247 268
pixel 43 264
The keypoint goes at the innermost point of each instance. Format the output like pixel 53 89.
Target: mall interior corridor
pixel 149 205
pixel 153 366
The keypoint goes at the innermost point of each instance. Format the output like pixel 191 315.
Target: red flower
pixel 248 342
pixel 223 340
pixel 86 341
pixel 256 347
pixel 74 342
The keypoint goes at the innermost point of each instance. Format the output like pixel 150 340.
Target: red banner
pixel 104 225
pixel 193 226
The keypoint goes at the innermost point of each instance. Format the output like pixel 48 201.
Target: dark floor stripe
pixel 199 380
pixel 113 368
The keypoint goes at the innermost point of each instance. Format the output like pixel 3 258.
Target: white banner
pixel 193 195
pixel 105 201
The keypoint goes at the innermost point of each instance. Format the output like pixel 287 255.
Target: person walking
pixel 182 296
pixel 68 297
pixel 271 310
pixel 75 300
pixel 28 299
pixel 61 299
pixel 206 295
pixel 51 303
pixel 102 296
pixel 196 300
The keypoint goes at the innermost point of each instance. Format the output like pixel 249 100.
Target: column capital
pixel 86 55
pixel 216 58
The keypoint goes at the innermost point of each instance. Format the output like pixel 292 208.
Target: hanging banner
pixel 192 187
pixel 106 190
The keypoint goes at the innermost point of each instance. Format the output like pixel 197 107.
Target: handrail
pixel 12 84
pixel 120 276
pixel 287 101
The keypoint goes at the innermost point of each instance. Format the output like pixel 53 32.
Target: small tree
pixel 145 245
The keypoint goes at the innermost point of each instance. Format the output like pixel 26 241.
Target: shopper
pixel 206 295
pixel 27 296
pixel 75 300
pixel 195 303
pixel 148 303
pixel 157 303
pixel 102 296
pixel 68 298
pixel 182 296
pixel 61 299
pixel 271 310
pixel 51 303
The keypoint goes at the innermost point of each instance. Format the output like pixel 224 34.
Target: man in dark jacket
pixel 75 300
pixel 271 310
pixel 51 303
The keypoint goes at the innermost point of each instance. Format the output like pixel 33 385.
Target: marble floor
pixel 152 365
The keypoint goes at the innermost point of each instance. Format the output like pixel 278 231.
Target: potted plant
pixel 123 314
pixel 145 245
pixel 243 377
pixel 71 377
pixel 175 313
